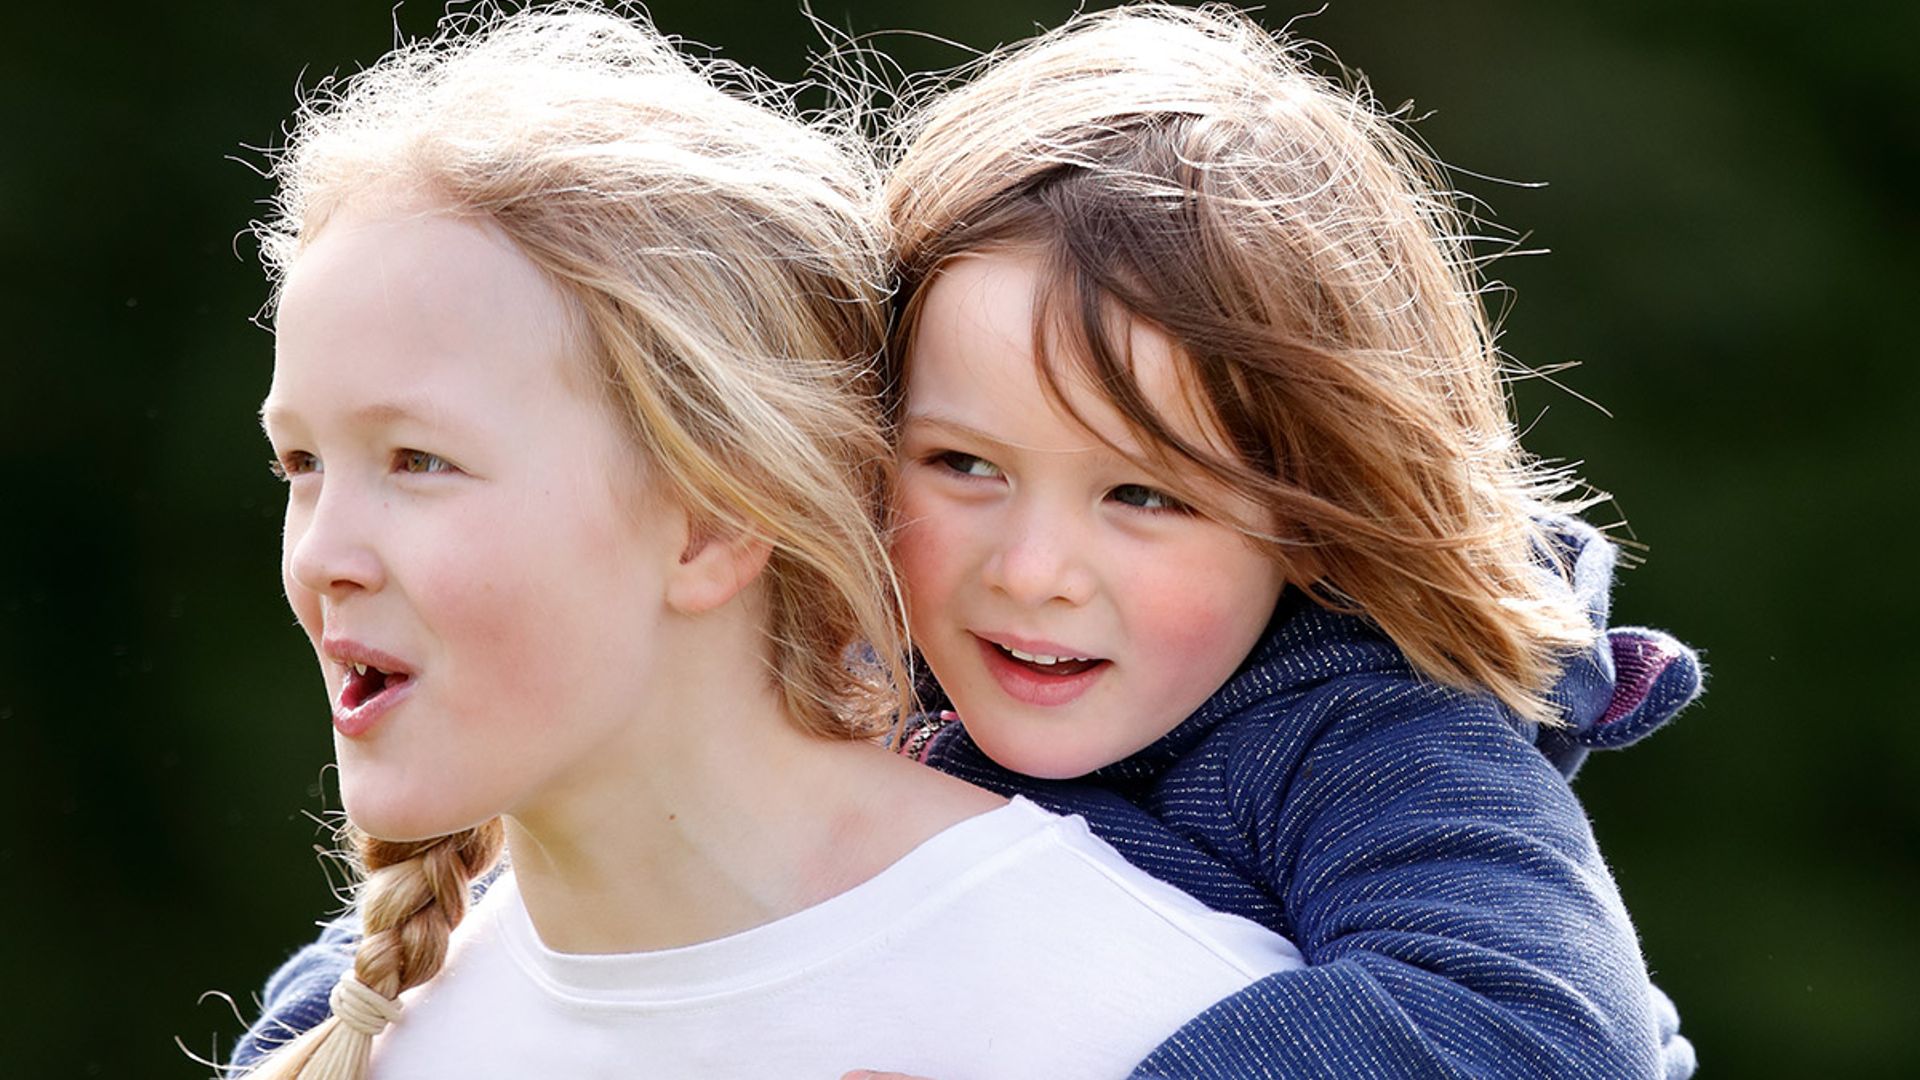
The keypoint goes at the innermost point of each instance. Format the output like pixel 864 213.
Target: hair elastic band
pixel 361 1007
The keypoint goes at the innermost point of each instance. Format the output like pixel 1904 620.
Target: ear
pixel 713 568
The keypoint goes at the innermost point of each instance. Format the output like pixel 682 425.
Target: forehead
pixel 973 350
pixel 405 300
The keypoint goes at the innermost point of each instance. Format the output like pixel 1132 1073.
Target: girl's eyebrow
pixel 372 414
pixel 950 425
pixel 961 429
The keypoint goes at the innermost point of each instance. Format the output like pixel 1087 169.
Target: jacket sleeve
pixel 1442 882
pixel 296 997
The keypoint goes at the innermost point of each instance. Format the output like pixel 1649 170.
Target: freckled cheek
pixel 1196 626
pixel 928 551
pixel 917 558
pixel 544 604
pixel 502 613
pixel 1180 625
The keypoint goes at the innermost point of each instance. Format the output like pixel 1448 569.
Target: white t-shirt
pixel 1014 944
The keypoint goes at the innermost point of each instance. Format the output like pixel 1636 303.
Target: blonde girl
pixel 1210 497
pixel 575 395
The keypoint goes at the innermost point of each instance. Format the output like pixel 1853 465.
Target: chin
pixel 1046 761
pixel 398 818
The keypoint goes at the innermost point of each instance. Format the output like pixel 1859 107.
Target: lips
pixel 1040 674
pixel 1051 666
pixel 371 684
pixel 364 683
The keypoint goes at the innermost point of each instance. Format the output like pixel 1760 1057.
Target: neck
pixel 717 814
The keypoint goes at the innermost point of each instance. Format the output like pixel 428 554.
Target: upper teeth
pixel 358 669
pixel 1039 658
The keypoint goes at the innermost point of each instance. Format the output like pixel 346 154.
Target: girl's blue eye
pixel 966 464
pixel 419 461
pixel 1143 497
pixel 293 463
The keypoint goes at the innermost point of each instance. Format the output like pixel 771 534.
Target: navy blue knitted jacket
pixel 1419 844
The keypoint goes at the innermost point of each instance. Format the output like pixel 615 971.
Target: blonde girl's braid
pixel 414 893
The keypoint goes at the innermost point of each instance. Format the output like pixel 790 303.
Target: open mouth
pixel 365 682
pixel 1059 667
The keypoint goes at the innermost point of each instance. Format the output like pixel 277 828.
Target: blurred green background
pixel 1729 203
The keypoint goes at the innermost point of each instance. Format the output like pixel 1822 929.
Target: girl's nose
pixel 1039 561
pixel 329 548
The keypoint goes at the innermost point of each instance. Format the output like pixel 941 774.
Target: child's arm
pixel 1443 883
pixel 295 999
pixel 1432 864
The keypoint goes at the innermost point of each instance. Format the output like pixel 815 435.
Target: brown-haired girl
pixel 576 399
pixel 1210 498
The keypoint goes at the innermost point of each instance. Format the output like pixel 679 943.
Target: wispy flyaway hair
pixel 1190 169
pixel 727 281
